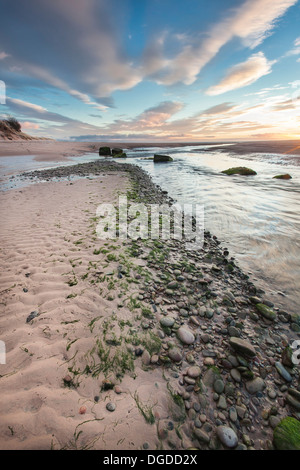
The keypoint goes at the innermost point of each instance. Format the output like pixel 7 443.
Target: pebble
pixel 185 335
pixel 255 385
pixel 242 346
pixel 110 406
pixel 236 375
pixel 227 436
pixel 175 354
pixel 283 372
pixel 167 322
pixel 194 372
pixel 219 386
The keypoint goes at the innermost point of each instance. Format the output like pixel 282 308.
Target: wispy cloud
pixel 252 22
pixel 243 74
pixel 3 55
pixel 296 48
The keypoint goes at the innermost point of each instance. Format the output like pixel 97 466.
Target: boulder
pixel 120 155
pixel 239 170
pixel 162 158
pixel 286 435
pixel 283 177
pixel 116 151
pixel 104 151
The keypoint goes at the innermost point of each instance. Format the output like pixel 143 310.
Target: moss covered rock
pixel 104 151
pixel 120 155
pixel 283 177
pixel 266 311
pixel 286 435
pixel 116 151
pixel 239 170
pixel 162 158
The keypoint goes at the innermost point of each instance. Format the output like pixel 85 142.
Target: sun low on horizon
pixel 152 70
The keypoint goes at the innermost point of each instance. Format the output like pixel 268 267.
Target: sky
pixel 152 70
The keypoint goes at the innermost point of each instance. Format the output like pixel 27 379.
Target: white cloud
pixel 243 74
pixel 26 104
pixel 252 22
pixel 3 55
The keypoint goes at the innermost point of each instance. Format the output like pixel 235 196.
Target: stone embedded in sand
pixel 146 358
pixel 82 410
pixel 242 346
pixel 31 316
pixel 227 436
pixel 185 335
pixel 110 406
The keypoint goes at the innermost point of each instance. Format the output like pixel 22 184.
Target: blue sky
pixel 152 70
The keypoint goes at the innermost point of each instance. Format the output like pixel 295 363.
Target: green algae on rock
pixel 104 151
pixel 283 177
pixel 266 311
pixel 286 435
pixel 162 158
pixel 239 170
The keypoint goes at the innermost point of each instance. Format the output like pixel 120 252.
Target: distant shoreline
pixel 49 150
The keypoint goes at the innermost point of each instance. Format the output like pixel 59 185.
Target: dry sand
pixel 48 240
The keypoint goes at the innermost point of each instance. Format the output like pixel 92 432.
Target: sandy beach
pixel 130 346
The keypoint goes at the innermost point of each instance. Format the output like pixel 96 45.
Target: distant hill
pixel 10 129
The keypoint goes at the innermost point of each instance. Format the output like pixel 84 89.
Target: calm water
pixel 256 217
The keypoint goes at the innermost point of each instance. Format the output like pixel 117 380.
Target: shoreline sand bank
pixel 138 345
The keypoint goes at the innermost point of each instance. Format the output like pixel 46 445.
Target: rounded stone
pixel 175 354
pixel 227 436
pixel 167 322
pixel 185 335
pixel 219 386
pixel 194 372
pixel 255 385
pixel 110 406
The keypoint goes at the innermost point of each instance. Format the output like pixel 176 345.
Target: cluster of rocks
pixel 242 170
pixel 114 152
pixel 227 348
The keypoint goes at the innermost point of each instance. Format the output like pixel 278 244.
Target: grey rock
pixel 167 321
pixel 283 372
pixel 255 385
pixel 219 386
pixel 185 335
pixel 202 436
pixel 175 354
pixel 111 406
pixel 227 436
pixel 242 346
